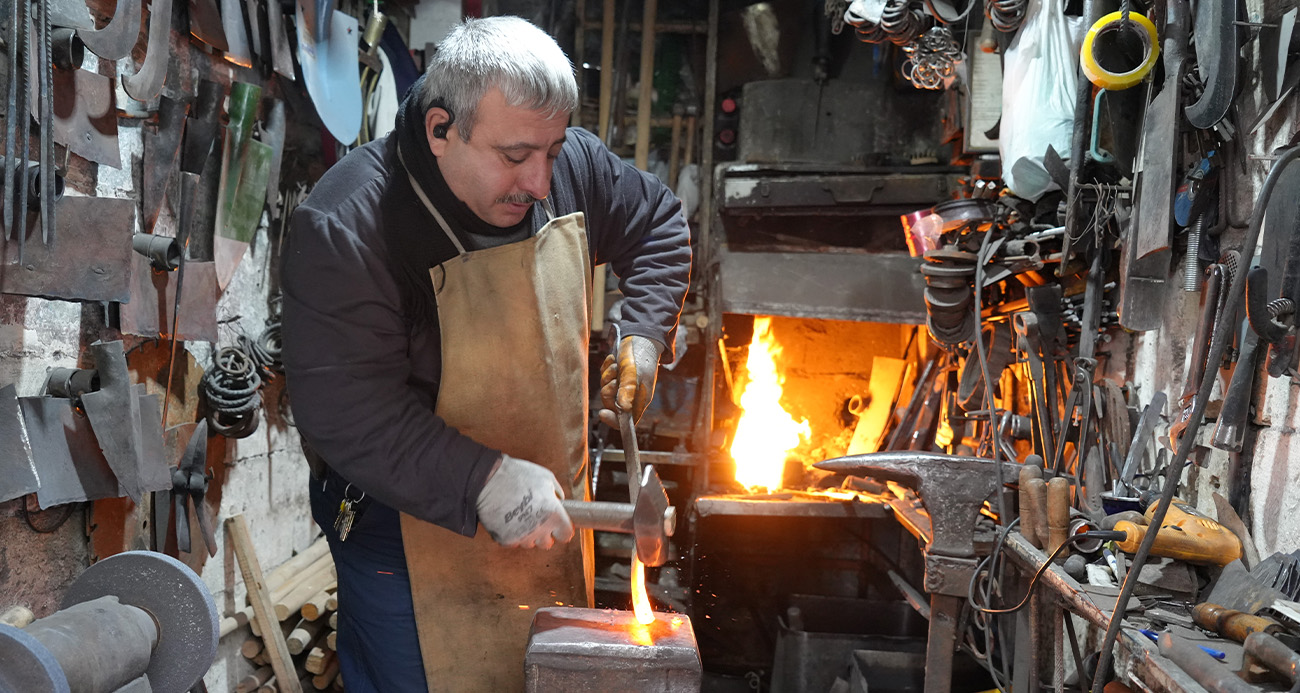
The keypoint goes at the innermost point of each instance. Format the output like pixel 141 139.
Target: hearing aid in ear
pixel 440 130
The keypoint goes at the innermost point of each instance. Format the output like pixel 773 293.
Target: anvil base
pixel 599 650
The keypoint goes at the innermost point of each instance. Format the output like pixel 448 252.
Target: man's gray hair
pixel 509 53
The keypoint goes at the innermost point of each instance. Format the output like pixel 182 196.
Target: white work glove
pixel 520 506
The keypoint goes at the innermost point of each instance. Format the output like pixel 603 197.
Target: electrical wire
pixel 1218 343
pixel 1029 591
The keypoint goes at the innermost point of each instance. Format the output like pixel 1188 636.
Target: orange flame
pixel 766 432
pixel 640 601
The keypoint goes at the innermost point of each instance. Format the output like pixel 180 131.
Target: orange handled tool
pixel 1187 535
pixel 1230 623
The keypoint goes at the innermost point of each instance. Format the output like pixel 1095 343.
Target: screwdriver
pixel 1186 535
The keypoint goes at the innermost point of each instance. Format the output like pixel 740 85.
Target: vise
pixel 135 622
pixel 953 490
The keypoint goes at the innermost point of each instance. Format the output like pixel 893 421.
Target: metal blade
pixel 273 137
pixel 232 22
pixel 201 127
pixel 155 468
pixel 67 456
pixel 259 52
pixel 71 13
pixel 281 55
pixel 118 38
pixel 85 115
pixel 92 261
pixel 162 144
pixel 17 467
pixel 195 458
pixel 153 301
pixel 148 80
pixel 205 24
pixel 333 75
pixel 1216 60
pixel 1137 447
pixel 114 415
pixel 180 505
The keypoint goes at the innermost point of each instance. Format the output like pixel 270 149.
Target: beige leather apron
pixel 514 329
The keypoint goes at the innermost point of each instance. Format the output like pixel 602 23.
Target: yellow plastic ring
pixel 1114 21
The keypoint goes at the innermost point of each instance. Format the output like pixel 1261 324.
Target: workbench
pixel 1138 661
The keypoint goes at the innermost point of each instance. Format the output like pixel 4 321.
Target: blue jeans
pixel 378 649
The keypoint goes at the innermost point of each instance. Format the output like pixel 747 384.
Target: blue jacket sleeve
pixel 346 351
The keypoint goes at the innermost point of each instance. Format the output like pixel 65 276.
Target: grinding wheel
pixel 27 666
pixel 177 599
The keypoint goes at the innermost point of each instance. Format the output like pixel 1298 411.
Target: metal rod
pixel 45 71
pixel 11 117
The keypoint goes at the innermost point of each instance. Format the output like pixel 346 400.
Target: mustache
pixel 521 198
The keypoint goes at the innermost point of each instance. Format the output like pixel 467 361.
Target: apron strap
pixel 419 192
pixel 437 216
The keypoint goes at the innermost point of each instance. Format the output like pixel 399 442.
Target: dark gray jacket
pixel 363 379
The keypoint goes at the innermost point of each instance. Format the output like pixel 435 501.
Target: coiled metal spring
pixel 932 58
pixel 901 22
pixel 1006 15
pixel 230 387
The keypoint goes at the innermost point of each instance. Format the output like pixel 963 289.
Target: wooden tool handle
pixel 1231 623
pixel 1032 495
pixel 1058 515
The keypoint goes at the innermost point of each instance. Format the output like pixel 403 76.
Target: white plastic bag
pixel 1039 87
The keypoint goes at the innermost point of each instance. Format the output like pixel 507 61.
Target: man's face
pixel 506 164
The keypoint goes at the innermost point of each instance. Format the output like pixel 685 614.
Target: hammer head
pixel 952 488
pixel 653 519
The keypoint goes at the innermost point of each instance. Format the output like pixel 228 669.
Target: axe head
pixel 653 519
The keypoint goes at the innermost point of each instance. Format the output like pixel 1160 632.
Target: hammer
pixel 650 518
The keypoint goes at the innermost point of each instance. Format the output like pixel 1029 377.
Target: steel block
pixel 575 650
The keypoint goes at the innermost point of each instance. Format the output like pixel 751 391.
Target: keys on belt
pixel 350 510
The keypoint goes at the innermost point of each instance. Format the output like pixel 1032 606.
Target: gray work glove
pixel 520 506
pixel 629 383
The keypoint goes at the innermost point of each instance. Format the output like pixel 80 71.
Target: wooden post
pixel 688 157
pixel 706 150
pixel 644 105
pixel 674 149
pixel 263 609
pixel 606 68
pixel 579 50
